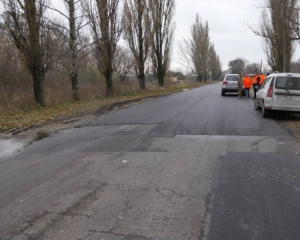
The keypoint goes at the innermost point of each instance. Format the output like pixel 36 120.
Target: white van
pixel 280 92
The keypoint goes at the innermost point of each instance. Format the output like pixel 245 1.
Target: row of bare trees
pixel 91 28
pixel 198 52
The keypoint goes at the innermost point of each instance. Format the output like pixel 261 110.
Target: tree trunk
pixel 74 74
pixel 142 76
pixel 160 77
pixel 38 86
pixel 160 70
pixel 109 83
pixel 73 49
pixel 199 78
pixel 75 86
pixel 141 47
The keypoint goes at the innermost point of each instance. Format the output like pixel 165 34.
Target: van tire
pixel 256 105
pixel 264 112
pixel 223 93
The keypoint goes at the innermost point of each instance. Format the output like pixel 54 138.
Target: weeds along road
pixel 192 165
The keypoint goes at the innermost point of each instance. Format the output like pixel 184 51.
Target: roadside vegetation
pixel 74 49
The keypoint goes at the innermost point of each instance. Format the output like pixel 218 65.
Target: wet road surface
pixel 193 165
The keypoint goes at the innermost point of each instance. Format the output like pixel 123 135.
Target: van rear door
pixel 286 92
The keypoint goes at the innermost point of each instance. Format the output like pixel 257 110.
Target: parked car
pixel 280 92
pixel 229 84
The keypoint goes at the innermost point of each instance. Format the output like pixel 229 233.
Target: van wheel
pixel 223 93
pixel 264 112
pixel 256 105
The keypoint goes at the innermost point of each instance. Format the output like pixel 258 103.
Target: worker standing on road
pixel 247 82
pixel 256 79
pixel 240 85
pixel 261 79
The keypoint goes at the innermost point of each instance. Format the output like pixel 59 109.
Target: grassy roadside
pixel 12 123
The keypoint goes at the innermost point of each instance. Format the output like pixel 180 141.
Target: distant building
pixel 172 79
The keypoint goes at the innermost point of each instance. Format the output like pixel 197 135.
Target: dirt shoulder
pixel 290 121
pixel 44 126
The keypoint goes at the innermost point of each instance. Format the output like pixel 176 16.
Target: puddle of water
pixel 10 146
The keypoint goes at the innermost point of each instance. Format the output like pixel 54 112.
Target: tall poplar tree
pixel 25 22
pixel 277 26
pixel 71 33
pixel 136 34
pixel 106 30
pixel 199 53
pixel 161 13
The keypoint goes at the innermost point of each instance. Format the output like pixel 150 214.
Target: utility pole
pixel 260 66
pixel 284 19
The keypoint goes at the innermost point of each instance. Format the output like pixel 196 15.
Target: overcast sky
pixel 227 20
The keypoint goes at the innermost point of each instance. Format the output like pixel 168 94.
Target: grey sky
pixel 227 20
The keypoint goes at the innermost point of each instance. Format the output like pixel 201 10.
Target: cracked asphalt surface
pixel 192 165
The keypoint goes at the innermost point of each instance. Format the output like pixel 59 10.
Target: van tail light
pixel 225 82
pixel 270 92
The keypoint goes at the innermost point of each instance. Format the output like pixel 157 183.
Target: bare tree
pixel 237 65
pixel 198 52
pixel 73 36
pixel 162 28
pixel 205 51
pixel 277 26
pixel 25 20
pixel 123 63
pixel 214 64
pixel 253 68
pixel 15 81
pixel 136 34
pixel 106 29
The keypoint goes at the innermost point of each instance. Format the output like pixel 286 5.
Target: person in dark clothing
pixel 240 85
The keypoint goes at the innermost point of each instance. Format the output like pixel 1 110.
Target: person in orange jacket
pixel 262 79
pixel 247 82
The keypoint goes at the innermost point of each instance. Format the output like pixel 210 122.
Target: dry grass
pixel 290 121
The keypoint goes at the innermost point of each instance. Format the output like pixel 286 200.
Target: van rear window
pixel 290 83
pixel 231 78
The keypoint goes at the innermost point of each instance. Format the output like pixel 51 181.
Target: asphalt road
pixel 192 165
